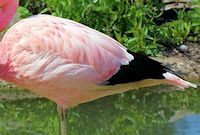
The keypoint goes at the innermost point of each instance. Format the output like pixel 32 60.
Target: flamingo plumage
pixel 70 63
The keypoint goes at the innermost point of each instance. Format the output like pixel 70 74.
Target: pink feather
pixel 62 54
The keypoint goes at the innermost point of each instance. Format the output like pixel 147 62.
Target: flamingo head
pixel 8 9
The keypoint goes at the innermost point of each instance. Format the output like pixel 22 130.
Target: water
pixel 188 125
pixel 142 112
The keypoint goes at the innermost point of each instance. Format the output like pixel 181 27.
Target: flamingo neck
pixel 8 9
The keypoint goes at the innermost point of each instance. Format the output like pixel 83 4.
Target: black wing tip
pixel 141 68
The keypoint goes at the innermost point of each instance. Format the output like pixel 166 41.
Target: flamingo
pixel 70 63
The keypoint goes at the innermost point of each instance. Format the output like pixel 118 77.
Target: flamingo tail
pixel 144 68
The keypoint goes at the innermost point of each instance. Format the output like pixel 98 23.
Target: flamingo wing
pixel 43 39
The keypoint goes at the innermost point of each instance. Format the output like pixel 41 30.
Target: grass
pixel 132 23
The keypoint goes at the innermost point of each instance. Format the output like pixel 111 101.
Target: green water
pixel 141 112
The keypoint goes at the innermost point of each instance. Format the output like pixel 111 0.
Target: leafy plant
pixel 23 12
pixel 194 17
pixel 124 20
pixel 175 32
pixel 130 22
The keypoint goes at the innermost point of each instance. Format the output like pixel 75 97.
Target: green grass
pixel 131 23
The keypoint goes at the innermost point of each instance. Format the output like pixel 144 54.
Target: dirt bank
pixel 186 63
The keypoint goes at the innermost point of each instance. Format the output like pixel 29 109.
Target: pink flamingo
pixel 70 63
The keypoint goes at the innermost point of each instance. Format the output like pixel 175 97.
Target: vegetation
pixel 140 26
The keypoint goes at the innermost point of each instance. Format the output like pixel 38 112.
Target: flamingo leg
pixel 63 120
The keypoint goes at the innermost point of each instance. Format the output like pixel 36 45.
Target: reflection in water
pixel 136 112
